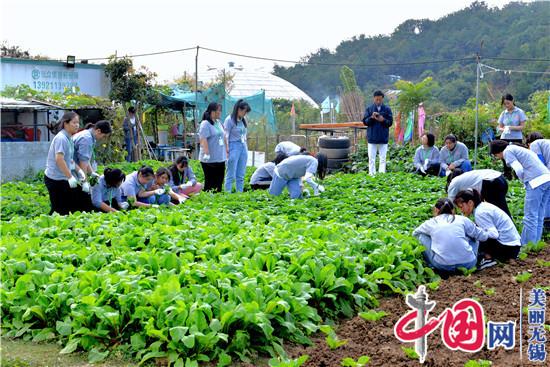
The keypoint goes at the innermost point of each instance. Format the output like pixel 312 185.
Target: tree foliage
pixel 457 35
pixel 412 94
pixel 128 84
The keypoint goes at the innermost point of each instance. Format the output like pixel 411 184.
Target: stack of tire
pixel 337 149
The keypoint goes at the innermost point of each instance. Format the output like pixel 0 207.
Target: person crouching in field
pixel 426 157
pixel 107 195
pixel 263 175
pixel 451 241
pixel 183 179
pixel 506 245
pixel 290 172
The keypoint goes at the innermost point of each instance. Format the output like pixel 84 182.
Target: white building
pixel 247 82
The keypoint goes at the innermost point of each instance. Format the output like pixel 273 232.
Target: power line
pixel 471 58
pixel 508 71
pixel 140 55
pixel 338 63
pixel 516 59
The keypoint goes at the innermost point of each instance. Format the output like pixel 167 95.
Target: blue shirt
pixel 471 180
pixel 514 118
pixel 101 193
pixel 287 148
pixel 541 148
pixel 493 219
pixel 421 154
pixel 264 173
pixel 132 187
pixel 457 156
pixel 296 167
pixel 235 132
pixel 214 136
pixel 178 178
pixel 84 146
pixel 61 143
pixel 530 162
pixel 450 238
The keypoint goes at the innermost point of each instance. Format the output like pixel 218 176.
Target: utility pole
pixel 197 103
pixel 478 69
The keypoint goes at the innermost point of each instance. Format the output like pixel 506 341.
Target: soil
pixel 376 339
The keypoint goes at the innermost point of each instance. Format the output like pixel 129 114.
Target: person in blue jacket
pixel 378 119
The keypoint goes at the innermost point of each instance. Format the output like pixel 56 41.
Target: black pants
pixel 508 170
pixel 495 191
pixel 499 251
pixel 214 174
pixel 433 169
pixel 260 187
pixel 64 200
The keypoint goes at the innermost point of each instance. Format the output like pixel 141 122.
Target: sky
pixel 281 29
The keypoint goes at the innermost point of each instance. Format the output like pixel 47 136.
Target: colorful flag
pixel 421 119
pixel 325 106
pixel 398 130
pixel 292 110
pixel 410 127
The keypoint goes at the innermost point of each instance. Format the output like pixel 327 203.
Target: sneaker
pixel 486 263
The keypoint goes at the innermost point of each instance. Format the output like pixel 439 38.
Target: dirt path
pixel 497 291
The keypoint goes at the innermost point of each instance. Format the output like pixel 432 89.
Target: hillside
pixel 518 30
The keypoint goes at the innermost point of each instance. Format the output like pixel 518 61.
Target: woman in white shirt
pixel 451 241
pixel 507 244
pixel 511 123
pixel 536 178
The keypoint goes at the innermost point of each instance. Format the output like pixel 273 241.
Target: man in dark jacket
pixel 378 118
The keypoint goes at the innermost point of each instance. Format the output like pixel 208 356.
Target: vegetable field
pixel 219 279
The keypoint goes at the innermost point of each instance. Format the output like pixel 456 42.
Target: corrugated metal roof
pixel 17 104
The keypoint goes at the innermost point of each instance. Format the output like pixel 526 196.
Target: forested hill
pixel 517 30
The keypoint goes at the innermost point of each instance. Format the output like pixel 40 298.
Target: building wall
pixel 22 158
pixel 54 76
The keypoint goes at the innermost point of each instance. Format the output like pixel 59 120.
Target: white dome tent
pixel 247 82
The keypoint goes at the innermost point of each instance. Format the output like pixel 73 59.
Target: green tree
pixel 411 94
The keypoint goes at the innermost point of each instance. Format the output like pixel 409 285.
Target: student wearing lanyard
pixel 506 243
pixel 454 155
pixel 511 123
pixel 107 195
pixel 85 144
pixel 59 176
pixel 541 147
pixel 536 179
pixel 235 133
pixel 213 148
pixel 183 179
pixel 136 189
pixel 426 158
pixel 164 195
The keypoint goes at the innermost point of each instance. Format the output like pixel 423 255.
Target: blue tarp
pixel 261 107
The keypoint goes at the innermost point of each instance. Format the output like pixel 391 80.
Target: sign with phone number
pixel 55 81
